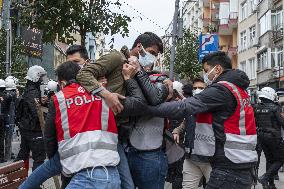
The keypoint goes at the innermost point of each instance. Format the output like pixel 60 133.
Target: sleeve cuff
pixel 94 92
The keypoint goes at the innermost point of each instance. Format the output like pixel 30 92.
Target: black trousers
pixel 32 142
pixel 273 149
pixel 230 179
pixel 2 139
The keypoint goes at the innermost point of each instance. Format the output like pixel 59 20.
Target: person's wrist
pixel 104 93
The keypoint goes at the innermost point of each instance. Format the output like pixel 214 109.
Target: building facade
pixel 215 17
pixel 248 40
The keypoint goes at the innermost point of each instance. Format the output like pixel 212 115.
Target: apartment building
pixel 192 15
pixel 215 16
pixel 270 44
pixel 248 40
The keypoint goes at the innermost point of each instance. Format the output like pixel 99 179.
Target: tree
pixel 186 61
pixel 63 18
pixel 19 65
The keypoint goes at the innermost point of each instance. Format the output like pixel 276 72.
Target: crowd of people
pixel 119 124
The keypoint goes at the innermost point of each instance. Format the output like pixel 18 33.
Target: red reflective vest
pixel 86 130
pixel 240 130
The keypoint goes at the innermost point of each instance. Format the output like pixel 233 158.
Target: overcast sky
pixel 156 15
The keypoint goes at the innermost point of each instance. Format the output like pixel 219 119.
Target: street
pixel 49 184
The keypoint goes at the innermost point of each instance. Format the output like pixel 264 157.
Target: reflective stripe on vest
pixel 204 142
pixel 87 134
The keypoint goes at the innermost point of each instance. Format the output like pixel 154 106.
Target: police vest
pixel 86 130
pixel 240 130
pixel 266 119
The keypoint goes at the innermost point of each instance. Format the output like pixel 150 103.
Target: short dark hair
pixel 149 39
pixel 78 48
pixel 187 90
pixel 67 71
pixel 218 58
pixel 198 79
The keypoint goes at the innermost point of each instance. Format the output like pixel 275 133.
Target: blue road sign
pixel 208 43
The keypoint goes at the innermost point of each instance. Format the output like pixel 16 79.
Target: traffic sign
pixel 208 43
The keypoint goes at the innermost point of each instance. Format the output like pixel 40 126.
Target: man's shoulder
pixel 115 55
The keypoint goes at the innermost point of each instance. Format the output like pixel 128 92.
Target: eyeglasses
pixel 198 88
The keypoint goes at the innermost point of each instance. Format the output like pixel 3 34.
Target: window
pixel 277 19
pixel 262 61
pixel 277 57
pixel 244 11
pixel 265 23
pixel 243 66
pixel 243 40
pixel 252 38
pixel 251 7
pixel 252 70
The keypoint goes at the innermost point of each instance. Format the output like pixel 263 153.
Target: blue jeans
pixel 52 167
pixel 48 169
pixel 123 169
pixel 96 178
pixel 230 179
pixel 149 169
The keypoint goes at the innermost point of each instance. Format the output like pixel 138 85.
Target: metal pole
pixel 173 48
pixel 7 27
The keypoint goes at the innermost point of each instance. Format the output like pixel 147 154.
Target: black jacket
pixel 216 99
pixel 26 109
pixel 268 118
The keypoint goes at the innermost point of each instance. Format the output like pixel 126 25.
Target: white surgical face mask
pixel 206 77
pixel 147 60
pixel 196 91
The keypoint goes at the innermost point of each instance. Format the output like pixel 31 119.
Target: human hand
pixel 128 71
pixel 169 85
pixel 44 99
pixel 133 61
pixel 176 137
pixel 103 81
pixel 112 100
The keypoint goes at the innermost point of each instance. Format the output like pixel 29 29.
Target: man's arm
pixel 211 99
pixel 135 101
pixel 89 75
pixel 50 137
pixel 155 95
pixel 88 78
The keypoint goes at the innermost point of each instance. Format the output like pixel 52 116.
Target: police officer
pixel 28 119
pixel 269 121
pixel 2 125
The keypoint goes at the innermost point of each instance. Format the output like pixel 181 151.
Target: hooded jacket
pixel 216 99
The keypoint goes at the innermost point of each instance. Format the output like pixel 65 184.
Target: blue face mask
pixel 147 60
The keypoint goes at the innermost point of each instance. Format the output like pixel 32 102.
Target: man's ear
pixel 219 69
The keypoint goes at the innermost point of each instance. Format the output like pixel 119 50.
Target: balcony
pixel 278 72
pixel 233 20
pixel 277 33
pixel 215 14
pixel 224 28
